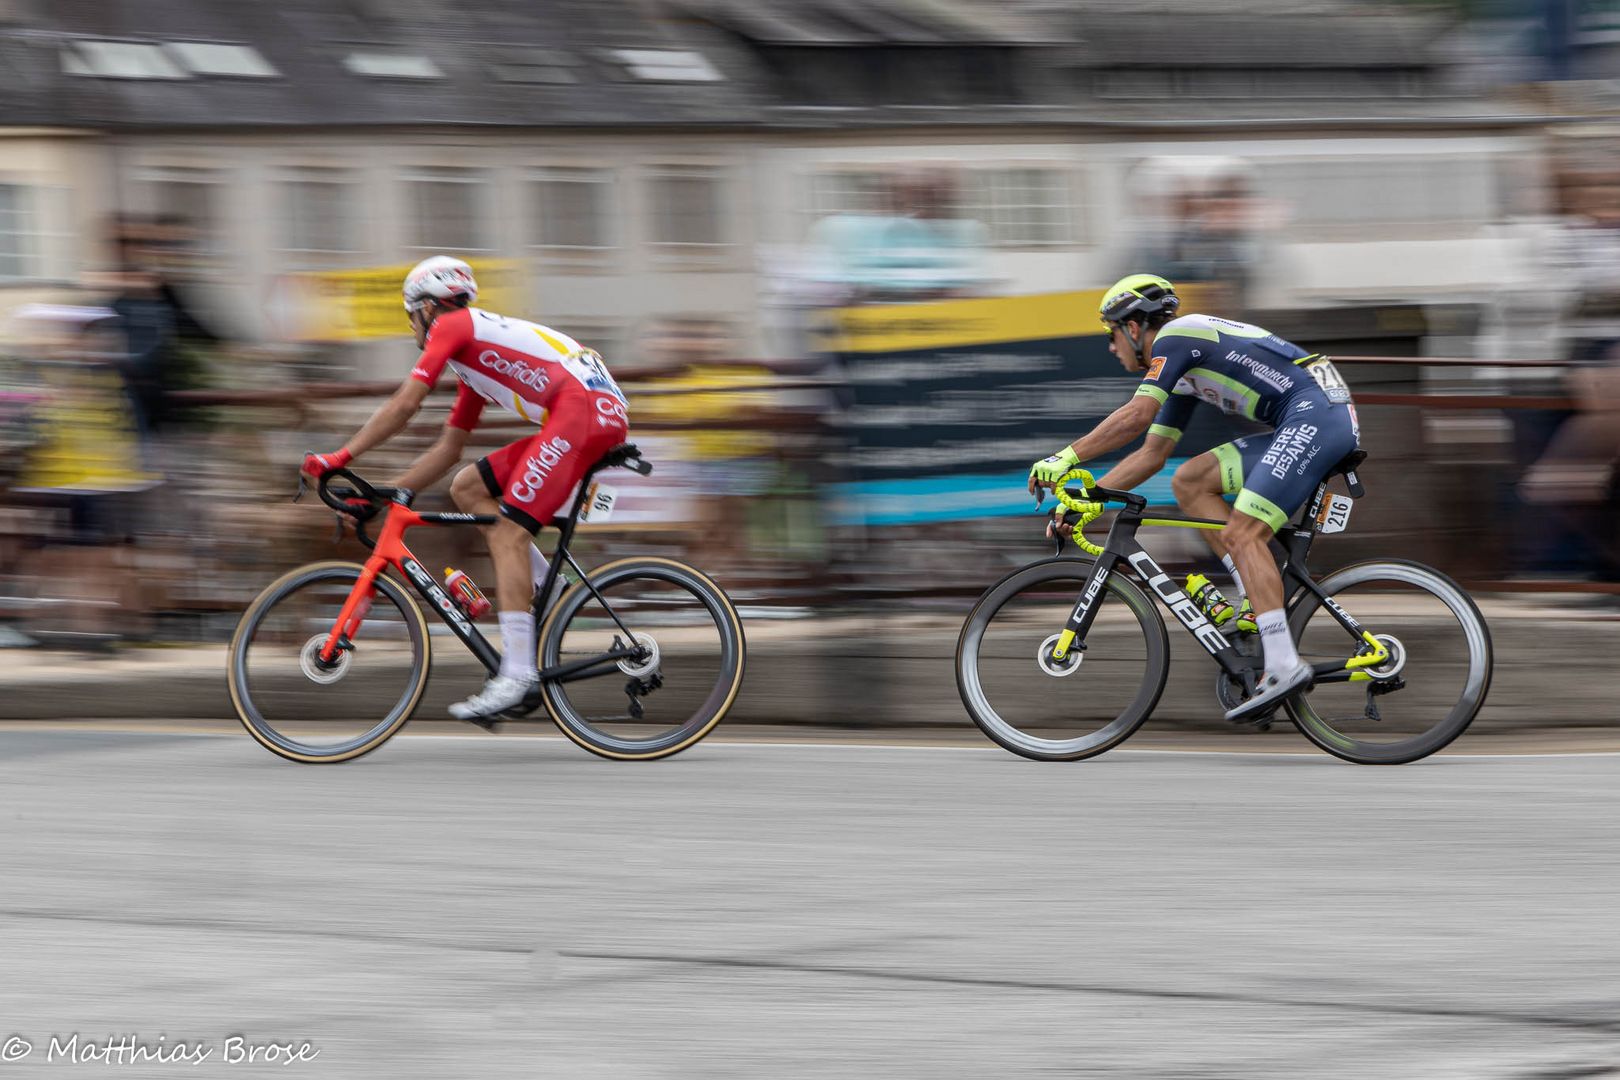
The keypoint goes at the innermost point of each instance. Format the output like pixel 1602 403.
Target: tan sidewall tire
pixel 271 592
pixel 726 605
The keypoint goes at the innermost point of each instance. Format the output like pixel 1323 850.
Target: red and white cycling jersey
pixel 521 366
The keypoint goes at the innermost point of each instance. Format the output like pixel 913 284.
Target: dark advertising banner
pixel 950 402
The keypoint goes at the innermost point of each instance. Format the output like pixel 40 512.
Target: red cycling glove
pixel 318 465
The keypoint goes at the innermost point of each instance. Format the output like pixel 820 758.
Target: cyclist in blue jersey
pixel 1243 370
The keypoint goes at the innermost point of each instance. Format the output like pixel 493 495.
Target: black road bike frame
pixel 1123 547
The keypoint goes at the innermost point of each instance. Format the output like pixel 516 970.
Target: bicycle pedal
pixel 490 724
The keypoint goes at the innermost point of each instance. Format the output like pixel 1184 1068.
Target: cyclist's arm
pixel 449 335
pixel 1162 436
pixel 1140 464
pixel 1120 427
pixel 444 454
pixel 390 418
pixel 436 460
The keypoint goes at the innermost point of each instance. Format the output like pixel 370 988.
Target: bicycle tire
pixel 252 716
pixel 970 680
pixel 716 702
pixel 1458 716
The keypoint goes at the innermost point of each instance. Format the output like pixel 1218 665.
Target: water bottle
pixel 466 593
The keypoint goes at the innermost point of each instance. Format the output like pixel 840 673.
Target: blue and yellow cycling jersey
pixel 1233 366
pixel 1252 372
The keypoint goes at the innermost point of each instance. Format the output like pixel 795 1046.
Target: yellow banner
pixel 943 324
pixel 89 443
pixel 363 305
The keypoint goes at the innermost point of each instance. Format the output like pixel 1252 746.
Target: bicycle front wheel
pixel 320 714
pixel 1028 704
pixel 1437 676
pixel 665 702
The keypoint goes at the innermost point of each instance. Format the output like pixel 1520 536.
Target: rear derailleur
pixel 1379 687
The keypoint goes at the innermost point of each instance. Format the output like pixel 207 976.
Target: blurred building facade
pixel 635 160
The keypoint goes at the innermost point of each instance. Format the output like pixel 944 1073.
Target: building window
pixel 573 208
pixel 849 191
pixel 19 248
pixel 449 209
pixel 189 198
pixel 687 206
pixel 1345 193
pixel 318 215
pixel 1024 207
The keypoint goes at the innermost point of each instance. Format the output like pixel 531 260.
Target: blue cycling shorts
pixel 1273 474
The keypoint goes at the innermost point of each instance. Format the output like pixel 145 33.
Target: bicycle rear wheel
pixel 305 711
pixel 1441 652
pixel 1011 687
pixel 670 700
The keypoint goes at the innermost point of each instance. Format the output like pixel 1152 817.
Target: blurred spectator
pixel 160 331
pixel 729 445
pixel 84 472
pixel 1565 499
pixel 1207 232
pixel 919 249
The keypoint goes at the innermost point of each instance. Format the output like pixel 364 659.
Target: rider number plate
pixel 599 502
pixel 1335 514
pixel 1328 378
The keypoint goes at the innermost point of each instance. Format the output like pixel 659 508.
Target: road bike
pixel 638 659
pixel 1401 656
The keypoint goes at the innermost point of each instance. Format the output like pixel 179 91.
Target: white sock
pixel 1237 582
pixel 517 645
pixel 1280 655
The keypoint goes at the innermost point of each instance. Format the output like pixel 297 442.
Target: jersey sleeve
pixel 1171 419
pixel 468 408
pixel 450 334
pixel 1171 360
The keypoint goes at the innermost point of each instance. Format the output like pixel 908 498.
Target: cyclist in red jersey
pixel 538 374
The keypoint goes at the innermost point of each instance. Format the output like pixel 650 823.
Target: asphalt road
pixel 512 907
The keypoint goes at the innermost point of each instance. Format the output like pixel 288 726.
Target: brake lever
pixel 303 486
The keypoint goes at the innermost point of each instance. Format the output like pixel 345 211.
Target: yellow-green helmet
pixel 1139 296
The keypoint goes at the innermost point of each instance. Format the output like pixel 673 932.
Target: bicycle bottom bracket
pixel 1397 658
pixel 318 670
pixel 1053 666
pixel 638 668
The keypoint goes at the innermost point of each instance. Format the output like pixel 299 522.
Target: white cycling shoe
pixel 499 694
pixel 1273 689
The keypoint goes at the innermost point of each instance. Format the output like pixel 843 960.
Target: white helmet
pixel 440 279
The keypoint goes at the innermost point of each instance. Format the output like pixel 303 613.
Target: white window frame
pixel 318 258
pixel 483 210
pixel 702 254
pixel 28 238
pixel 605 179
pixel 211 240
pixel 991 185
pixel 976 196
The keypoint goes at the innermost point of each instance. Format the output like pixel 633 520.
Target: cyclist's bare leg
pixel 1249 540
pixel 1197 486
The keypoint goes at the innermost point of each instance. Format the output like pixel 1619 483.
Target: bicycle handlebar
pixel 1091 508
pixel 343 499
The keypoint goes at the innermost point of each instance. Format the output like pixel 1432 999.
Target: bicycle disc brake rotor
pixel 309 658
pixel 646 667
pixel 1057 668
